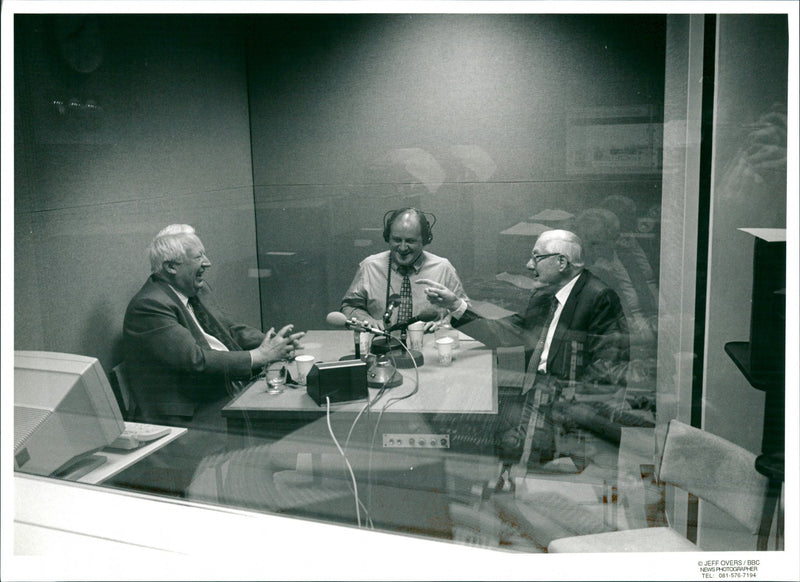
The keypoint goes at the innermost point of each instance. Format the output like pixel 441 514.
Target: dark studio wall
pixel 166 141
pixel 282 137
pixel 480 119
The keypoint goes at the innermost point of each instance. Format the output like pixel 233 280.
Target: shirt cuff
pixel 459 311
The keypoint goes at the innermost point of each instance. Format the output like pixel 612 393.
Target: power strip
pixel 416 441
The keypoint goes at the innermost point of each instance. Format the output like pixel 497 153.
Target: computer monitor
pixel 64 411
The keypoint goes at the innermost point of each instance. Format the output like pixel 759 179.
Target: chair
pixel 125 399
pixel 703 464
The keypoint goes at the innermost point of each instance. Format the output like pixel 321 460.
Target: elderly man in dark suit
pixel 574 333
pixel 184 359
pixel 182 354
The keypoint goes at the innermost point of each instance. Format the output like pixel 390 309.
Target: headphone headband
pixel 426 223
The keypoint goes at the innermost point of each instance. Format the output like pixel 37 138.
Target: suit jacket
pixel 170 367
pixel 590 344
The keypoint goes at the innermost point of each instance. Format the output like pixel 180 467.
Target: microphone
pixel 338 319
pixel 426 317
pixel 393 303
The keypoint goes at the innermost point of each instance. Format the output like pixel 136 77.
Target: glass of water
pixel 276 376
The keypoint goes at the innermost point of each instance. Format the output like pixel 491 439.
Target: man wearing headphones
pixel 383 291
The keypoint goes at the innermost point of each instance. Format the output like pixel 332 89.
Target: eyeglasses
pixel 537 258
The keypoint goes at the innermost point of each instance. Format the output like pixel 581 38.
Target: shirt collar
pixel 184 299
pixel 563 294
pixel 415 266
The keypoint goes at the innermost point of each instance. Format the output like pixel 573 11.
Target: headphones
pixel 426 224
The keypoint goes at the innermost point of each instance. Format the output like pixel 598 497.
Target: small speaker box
pixel 340 381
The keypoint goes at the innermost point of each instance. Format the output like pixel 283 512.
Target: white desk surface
pixel 118 460
pixel 468 386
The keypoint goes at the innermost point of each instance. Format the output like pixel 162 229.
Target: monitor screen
pixel 64 410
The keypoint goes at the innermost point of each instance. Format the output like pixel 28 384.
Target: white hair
pixel 170 244
pixel 176 229
pixel 564 243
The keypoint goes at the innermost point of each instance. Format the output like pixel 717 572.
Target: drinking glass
pixel 415 333
pixel 276 377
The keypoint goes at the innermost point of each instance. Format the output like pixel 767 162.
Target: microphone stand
pixel 396 348
pixel 358 328
pixel 356 347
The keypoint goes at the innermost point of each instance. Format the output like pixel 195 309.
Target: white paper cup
pixel 448 331
pixel 415 333
pixel 304 364
pixel 444 349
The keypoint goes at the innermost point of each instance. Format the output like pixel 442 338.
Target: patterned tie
pixel 536 356
pixel 210 325
pixel 405 310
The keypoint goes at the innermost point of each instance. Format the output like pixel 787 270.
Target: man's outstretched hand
pixel 439 295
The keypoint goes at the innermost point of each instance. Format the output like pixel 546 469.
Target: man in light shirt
pixel 394 272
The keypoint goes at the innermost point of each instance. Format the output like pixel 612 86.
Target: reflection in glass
pixel 486 121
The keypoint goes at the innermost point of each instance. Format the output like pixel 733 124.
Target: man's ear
pixel 169 267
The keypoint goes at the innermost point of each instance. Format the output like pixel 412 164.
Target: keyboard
pixel 137 434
